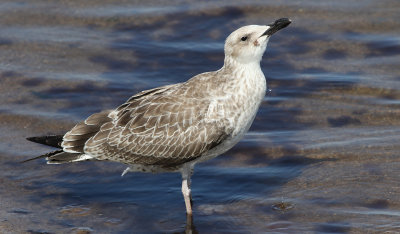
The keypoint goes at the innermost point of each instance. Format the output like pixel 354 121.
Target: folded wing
pixel 161 126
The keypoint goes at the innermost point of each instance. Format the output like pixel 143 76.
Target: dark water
pixel 321 156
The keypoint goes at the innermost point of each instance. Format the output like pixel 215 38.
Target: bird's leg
pixel 187 195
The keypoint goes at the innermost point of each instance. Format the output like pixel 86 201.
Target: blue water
pixel 322 155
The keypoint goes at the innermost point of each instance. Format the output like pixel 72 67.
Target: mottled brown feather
pixel 75 139
pixel 157 127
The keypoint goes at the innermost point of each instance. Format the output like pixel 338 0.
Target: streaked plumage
pixel 170 128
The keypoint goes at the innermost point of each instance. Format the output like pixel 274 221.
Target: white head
pixel 247 44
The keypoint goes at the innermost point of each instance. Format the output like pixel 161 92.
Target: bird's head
pixel 247 44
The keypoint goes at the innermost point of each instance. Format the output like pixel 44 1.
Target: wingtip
pixel 50 140
pixel 31 159
pixel 31 139
pixel 37 139
pixel 46 155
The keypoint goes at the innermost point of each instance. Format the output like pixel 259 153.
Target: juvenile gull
pixel 171 128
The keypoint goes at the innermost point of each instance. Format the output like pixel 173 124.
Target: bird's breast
pixel 237 109
pixel 249 97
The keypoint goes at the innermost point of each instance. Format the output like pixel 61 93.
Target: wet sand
pixel 321 156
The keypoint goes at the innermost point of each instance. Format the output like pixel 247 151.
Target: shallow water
pixel 321 156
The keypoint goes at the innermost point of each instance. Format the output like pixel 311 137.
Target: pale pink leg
pixel 187 195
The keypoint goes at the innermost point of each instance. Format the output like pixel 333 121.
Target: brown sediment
pixel 327 136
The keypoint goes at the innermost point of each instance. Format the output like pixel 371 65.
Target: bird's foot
pixel 125 171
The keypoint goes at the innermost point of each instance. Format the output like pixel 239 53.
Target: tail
pixel 58 156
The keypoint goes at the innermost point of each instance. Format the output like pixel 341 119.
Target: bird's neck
pixel 234 66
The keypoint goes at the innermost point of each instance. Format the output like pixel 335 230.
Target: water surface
pixel 321 156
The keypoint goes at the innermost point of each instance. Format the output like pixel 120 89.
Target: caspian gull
pixel 171 128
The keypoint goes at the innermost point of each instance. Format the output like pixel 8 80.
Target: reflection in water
pixel 325 141
pixel 190 228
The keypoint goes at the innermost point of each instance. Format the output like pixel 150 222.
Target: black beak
pixel 276 26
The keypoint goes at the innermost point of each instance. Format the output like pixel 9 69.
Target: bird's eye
pixel 243 38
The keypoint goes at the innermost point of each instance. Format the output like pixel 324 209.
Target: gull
pixel 173 127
